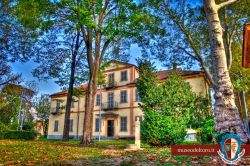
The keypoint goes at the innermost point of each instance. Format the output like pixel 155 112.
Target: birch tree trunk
pixel 226 113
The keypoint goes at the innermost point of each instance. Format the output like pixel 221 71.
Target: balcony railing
pixel 114 83
pixel 55 110
pixel 110 106
pixel 111 84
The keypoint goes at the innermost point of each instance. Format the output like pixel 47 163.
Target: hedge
pixel 24 134
pixel 3 130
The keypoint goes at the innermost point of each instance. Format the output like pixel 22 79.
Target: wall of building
pixel 130 109
pixel 198 85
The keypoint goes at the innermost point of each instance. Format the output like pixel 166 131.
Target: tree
pixel 226 113
pixel 71 70
pixel 168 106
pixel 232 20
pixel 188 42
pixel 105 25
pixel 241 80
pixel 42 107
pixel 16 100
pixel 58 47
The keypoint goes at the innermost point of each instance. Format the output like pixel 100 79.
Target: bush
pixel 205 133
pixel 26 135
pixel 162 130
pixel 3 130
pixel 190 142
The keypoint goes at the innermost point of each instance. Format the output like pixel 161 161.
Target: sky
pixel 49 87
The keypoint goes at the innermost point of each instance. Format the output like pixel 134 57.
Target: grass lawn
pixel 54 152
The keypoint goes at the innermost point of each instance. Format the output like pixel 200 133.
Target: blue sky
pixel 49 86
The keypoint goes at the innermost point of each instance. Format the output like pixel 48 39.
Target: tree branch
pixel 192 45
pixel 84 34
pixel 89 49
pixel 101 16
pixel 14 78
pixel 225 4
pixel 105 46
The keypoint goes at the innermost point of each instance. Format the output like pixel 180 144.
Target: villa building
pixel 116 104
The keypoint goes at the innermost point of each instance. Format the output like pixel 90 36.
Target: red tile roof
pixel 83 87
pixel 164 74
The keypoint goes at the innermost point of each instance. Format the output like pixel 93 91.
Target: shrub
pixel 166 106
pixel 162 130
pixel 190 142
pixel 3 130
pixel 24 134
pixel 205 133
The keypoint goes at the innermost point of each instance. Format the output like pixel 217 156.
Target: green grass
pixel 56 152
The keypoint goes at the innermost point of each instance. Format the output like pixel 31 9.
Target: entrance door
pixel 110 128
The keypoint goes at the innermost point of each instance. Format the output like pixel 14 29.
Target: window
pixel 98 100
pixel 137 97
pixel 58 102
pixel 71 125
pixel 110 100
pixel 111 78
pixel 97 124
pixel 123 123
pixel 56 126
pixel 124 75
pixel 124 96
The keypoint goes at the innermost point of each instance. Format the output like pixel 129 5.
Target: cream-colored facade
pixel 116 104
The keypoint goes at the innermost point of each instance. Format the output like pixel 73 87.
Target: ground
pixel 49 152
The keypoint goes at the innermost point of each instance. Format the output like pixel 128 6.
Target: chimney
pixel 174 66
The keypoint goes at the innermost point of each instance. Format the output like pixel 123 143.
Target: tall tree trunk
pixel 226 113
pixel 94 66
pixel 89 106
pixel 70 90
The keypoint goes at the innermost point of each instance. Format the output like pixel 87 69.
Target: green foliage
pixel 158 129
pixel 240 76
pixel 20 134
pixel 206 131
pixel 201 113
pixel 15 97
pixel 167 106
pixel 190 142
pixel 3 130
pixel 42 107
pixel 10 104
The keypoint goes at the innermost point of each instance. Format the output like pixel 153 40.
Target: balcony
pixel 109 106
pixel 111 84
pixel 55 110
pixel 114 84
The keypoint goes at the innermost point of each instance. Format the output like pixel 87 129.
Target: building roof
pixel 62 93
pixel 164 73
pixel 123 63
